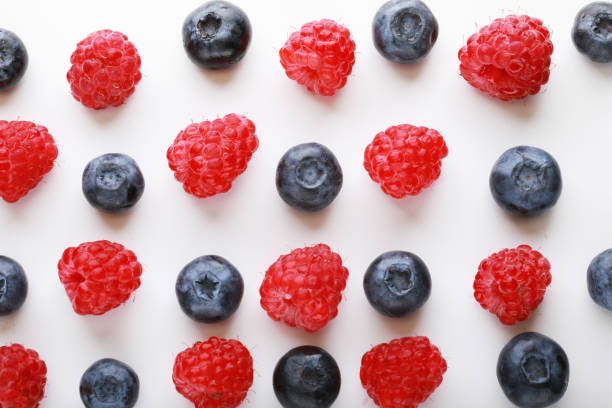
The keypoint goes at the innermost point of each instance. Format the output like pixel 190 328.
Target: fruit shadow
pixel 522 108
pixel 106 115
pixel 108 325
pixel 602 69
pixel 408 71
pixel 414 206
pixel 402 326
pixel 115 221
pixel 529 225
pixel 6 96
pixel 8 323
pixel 313 220
pixel 220 76
pixel 529 325
pixel 207 330
pixel 299 336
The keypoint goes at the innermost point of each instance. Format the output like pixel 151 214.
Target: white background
pixel 452 225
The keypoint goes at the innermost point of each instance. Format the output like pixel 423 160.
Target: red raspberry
pixel 512 282
pixel 23 376
pixel 320 56
pixel 99 276
pixel 402 373
pixel 207 157
pixel 216 373
pixel 405 159
pixel 27 153
pixel 304 287
pixel 508 59
pixel 105 69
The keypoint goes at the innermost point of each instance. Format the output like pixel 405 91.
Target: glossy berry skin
pixel 23 377
pixel 303 288
pixel 512 283
pixel 13 59
pixel 320 56
pixel 402 373
pixel 405 159
pixel 105 69
pixel 509 58
pixel 599 279
pixel 306 377
pixel 207 157
pixel 216 35
pixel 109 383
pixel 404 31
pixel 526 181
pixel 113 182
pixel 308 177
pixel 533 370
pixel 27 153
pixel 209 289
pixel 397 283
pixel 592 31
pixel 13 286
pixel 98 276
pixel 216 373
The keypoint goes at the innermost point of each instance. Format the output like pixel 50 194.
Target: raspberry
pixel 23 376
pixel 27 153
pixel 216 373
pixel 207 157
pixel 320 56
pixel 304 287
pixel 402 373
pixel 512 282
pixel 405 159
pixel 105 69
pixel 508 59
pixel 99 276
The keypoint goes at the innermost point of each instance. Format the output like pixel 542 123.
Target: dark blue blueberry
pixel 209 289
pixel 306 377
pixel 533 370
pixel 404 30
pixel 109 383
pixel 599 279
pixel 308 177
pixel 13 286
pixel 592 32
pixel 526 181
pixel 13 59
pixel 397 283
pixel 113 182
pixel 216 35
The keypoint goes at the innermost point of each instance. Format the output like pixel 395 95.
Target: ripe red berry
pixel 512 282
pixel 304 287
pixel 320 56
pixel 105 69
pixel 23 376
pixel 405 159
pixel 508 59
pixel 216 373
pixel 99 276
pixel 207 157
pixel 27 153
pixel 402 373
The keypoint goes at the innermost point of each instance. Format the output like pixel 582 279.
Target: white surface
pixel 452 225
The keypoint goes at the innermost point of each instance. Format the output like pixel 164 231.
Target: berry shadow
pixel 523 108
pixel 220 76
pixel 6 96
pixel 8 323
pixel 414 206
pixel 115 221
pixel 529 325
pixel 602 69
pixel 110 324
pixel 220 329
pixel 313 220
pixel 300 336
pixel 402 326
pixel 408 71
pixel 106 115
pixel 529 225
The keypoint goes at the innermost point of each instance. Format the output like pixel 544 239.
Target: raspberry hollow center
pixel 535 368
pixel 399 279
pixel 406 26
pixel 209 26
pixel 310 173
pixel 3 285
pixel 111 177
pixel 529 176
pixel 603 26
pixel 108 389
pixel 206 287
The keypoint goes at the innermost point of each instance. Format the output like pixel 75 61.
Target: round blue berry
pixel 113 182
pixel 599 279
pixel 209 289
pixel 109 383
pixel 533 370
pixel 526 181
pixel 397 283
pixel 308 177
pixel 306 377
pixel 13 286
pixel 592 31
pixel 13 59
pixel 404 30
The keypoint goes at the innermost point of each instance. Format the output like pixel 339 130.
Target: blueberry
pixel 599 279
pixel 13 286
pixel 404 30
pixel 113 182
pixel 306 377
pixel 397 283
pixel 209 289
pixel 216 35
pixel 526 181
pixel 592 32
pixel 533 370
pixel 13 59
pixel 109 383
pixel 308 177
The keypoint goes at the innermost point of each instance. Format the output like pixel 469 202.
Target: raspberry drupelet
pixel 23 376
